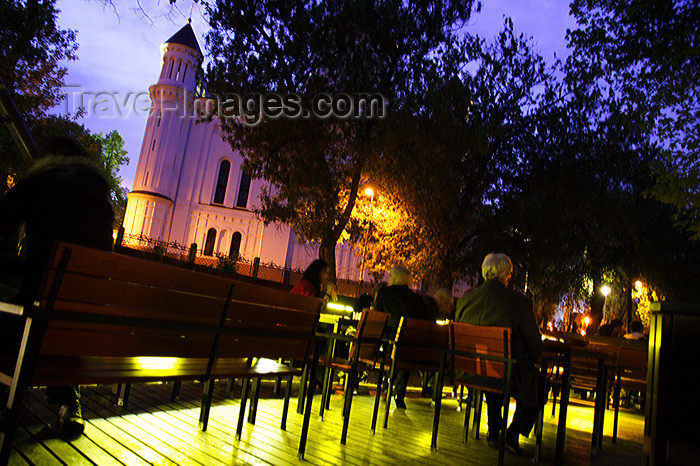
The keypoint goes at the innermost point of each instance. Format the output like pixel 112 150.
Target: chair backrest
pixel 632 367
pixel 479 350
pixel 116 311
pixel 269 323
pixel 419 344
pixel 368 337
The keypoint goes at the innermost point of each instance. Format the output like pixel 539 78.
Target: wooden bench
pixel 479 358
pixel 106 318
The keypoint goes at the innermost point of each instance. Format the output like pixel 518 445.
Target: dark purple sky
pixel 119 56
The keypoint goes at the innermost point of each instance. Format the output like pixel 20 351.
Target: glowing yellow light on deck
pixel 156 363
pixel 638 284
pixel 339 307
pixel 369 192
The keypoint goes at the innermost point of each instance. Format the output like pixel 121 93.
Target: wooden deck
pixel 151 430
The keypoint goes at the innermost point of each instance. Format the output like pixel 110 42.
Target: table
pixel 564 352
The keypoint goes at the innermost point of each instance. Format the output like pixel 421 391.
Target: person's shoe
pixel 493 441
pixel 513 444
pixel 400 403
pixel 70 421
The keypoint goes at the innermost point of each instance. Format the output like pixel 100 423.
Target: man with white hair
pixel 398 300
pixel 494 304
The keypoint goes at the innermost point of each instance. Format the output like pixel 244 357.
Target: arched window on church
pixel 243 191
pixel 235 245
pixel 221 182
pixel 209 243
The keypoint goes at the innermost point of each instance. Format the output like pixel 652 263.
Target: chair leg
pixel 478 405
pixel 438 404
pixel 504 426
pixel 351 376
pixel 175 392
pixel 124 390
pixel 302 389
pixel 287 395
pixel 229 387
pixel 389 393
pixel 377 397
pixel 616 404
pixel 254 396
pixel 325 389
pixel 204 409
pixel 465 433
pixel 241 413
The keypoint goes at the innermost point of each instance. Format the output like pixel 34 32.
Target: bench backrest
pixel 129 318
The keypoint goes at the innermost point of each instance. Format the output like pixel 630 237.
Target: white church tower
pixel 189 185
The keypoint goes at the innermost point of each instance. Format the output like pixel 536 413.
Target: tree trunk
pixel 327 253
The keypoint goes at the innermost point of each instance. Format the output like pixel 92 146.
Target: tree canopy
pixel 311 49
pixel 645 56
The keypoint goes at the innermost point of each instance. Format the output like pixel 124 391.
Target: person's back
pixel 494 304
pixel 63 197
pixel 398 301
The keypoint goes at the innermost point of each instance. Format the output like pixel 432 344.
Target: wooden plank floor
pixel 151 430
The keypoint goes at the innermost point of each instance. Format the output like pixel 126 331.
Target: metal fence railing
pixel 241 266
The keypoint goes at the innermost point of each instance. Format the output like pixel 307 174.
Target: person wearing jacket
pixel 494 304
pixel 63 197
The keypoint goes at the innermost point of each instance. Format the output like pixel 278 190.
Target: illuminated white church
pixel 189 187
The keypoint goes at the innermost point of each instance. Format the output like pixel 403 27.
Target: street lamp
pixel 605 289
pixel 368 192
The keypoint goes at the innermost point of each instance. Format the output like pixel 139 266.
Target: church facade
pixel 189 186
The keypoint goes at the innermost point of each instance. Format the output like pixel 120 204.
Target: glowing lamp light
pixel 369 192
pixel 586 320
pixel 638 284
pixel 156 363
pixel 339 307
pixel 605 289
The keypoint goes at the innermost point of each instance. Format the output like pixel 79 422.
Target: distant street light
pixel 605 289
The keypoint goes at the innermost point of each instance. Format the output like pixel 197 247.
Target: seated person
pixel 62 197
pixel 636 331
pixel 494 304
pixel 399 300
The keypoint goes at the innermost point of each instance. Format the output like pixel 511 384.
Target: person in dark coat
pixel 494 304
pixel 398 300
pixel 63 197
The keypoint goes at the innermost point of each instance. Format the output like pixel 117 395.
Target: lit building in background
pixel 189 187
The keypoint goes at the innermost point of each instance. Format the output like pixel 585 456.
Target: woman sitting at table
pixel 315 281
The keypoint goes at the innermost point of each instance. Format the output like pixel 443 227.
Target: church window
pixel 170 73
pixel 153 146
pixel 235 245
pixel 145 179
pixel 184 73
pixel 209 243
pixel 221 182
pixel 243 191
pixel 177 76
pixel 160 114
